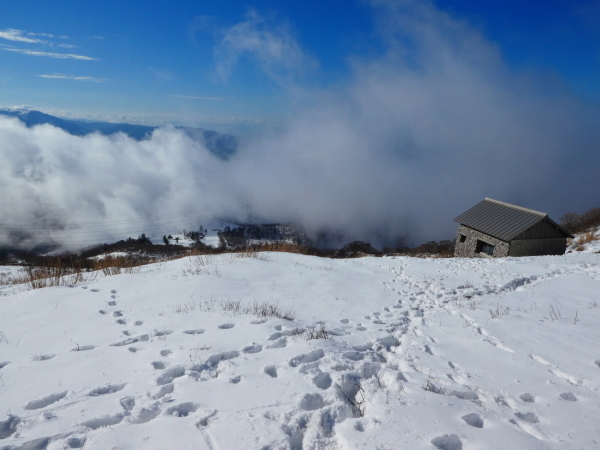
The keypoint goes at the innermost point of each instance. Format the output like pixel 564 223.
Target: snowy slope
pixel 587 242
pixel 434 353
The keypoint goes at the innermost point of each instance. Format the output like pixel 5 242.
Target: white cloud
pixel 41 34
pixel 11 34
pixel 50 54
pixel 272 46
pixel 67 77
pixel 203 98
pixel 67 45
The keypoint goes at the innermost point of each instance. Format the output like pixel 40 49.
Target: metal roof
pixel 501 220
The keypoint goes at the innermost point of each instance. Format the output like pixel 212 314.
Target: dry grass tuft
pixel 258 309
pixel 316 332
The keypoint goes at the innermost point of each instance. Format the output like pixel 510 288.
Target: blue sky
pixel 157 61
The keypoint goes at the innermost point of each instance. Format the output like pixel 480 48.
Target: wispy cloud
pixel 67 77
pixel 50 54
pixel 273 47
pixel 43 34
pixel 203 98
pixel 11 34
pixel 67 46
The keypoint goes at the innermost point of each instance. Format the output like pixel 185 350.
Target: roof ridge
pixel 516 207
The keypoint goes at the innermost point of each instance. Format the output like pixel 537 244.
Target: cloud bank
pixel 410 140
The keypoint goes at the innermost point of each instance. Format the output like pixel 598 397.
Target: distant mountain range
pixel 221 145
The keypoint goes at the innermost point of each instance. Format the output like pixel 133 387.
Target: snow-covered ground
pixel 424 354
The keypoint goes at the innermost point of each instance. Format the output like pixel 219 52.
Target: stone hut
pixel 493 229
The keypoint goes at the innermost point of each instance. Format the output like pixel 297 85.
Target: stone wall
pixel 467 248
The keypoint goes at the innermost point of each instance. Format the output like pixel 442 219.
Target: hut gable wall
pixel 467 247
pixel 544 229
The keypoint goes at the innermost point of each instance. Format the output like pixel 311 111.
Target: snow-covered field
pixel 424 354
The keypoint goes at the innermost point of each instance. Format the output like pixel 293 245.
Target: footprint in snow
pixel 322 380
pixel 214 360
pixel 169 375
pixel 100 422
pixel 127 403
pixel 146 414
pixel 42 402
pixel 83 348
pixel 309 357
pixel 121 321
pixel 158 365
pixel 312 402
pixel 527 397
pixel 117 314
pixel 448 442
pixel 198 331
pixel 113 291
pixel 226 326
pixel 271 371
pixel 108 389
pixel 94 290
pixel 164 390
pixel 42 357
pixel 388 342
pixel 255 348
pixel 363 347
pixel 474 420
pixel 182 410
pixel 279 343
pixel 113 303
pixel 165 352
pixel 354 356
pixel 9 426
pixel 568 396
pixel 137 323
